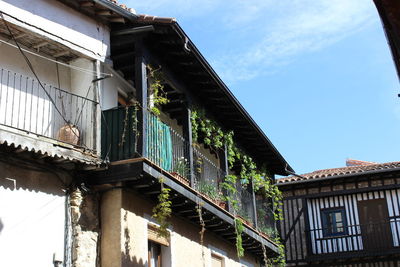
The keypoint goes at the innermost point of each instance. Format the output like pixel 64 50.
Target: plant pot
pixel 69 134
pixel 245 221
pixel 221 204
pixel 180 178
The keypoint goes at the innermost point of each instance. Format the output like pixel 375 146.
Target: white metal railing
pixel 48 111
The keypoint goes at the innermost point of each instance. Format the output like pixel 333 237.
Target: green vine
pixel 162 211
pixel 134 121
pixel 159 96
pixel 206 131
pixel 239 230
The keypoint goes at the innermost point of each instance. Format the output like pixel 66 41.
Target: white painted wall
pixel 32 212
pixel 61 24
pixel 11 59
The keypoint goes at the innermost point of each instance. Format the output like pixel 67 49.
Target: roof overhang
pixel 389 11
pixel 169 37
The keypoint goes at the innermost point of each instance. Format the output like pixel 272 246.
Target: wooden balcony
pixel 187 169
pixel 359 241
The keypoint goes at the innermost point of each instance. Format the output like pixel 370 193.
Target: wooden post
pixel 225 167
pixel 97 111
pixel 254 205
pixel 307 230
pixel 187 134
pixel 141 94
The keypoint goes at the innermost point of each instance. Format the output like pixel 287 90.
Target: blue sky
pixel 317 76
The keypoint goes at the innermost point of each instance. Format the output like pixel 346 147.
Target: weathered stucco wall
pixel 131 248
pixel 32 216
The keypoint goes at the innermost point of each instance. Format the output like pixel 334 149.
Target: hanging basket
pixel 69 133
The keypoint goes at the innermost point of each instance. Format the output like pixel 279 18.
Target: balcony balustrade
pixel 49 112
pixel 358 240
pixel 168 149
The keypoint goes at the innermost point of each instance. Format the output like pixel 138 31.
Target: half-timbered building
pixel 343 217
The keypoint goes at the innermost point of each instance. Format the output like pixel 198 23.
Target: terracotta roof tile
pixel 320 174
pixel 143 18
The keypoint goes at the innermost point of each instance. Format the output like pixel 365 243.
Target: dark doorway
pixel 375 227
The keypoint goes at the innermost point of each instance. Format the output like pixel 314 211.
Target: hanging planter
pixel 69 133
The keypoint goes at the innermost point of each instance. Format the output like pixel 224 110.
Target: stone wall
pixel 85 229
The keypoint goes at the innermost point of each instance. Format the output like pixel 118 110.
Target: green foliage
pixel 181 167
pixel 210 190
pixel 157 88
pixel 162 211
pixel 210 133
pixel 239 230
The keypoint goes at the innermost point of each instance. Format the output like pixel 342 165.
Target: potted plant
pixel 180 170
pixel 209 190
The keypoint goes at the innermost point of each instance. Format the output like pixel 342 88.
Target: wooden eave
pixel 389 11
pixel 169 44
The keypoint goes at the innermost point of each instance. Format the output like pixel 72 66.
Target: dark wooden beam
pixel 141 94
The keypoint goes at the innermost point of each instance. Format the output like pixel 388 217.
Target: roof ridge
pixel 323 173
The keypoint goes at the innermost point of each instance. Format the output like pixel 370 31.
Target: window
pixel 217 261
pixel 334 222
pixel 154 251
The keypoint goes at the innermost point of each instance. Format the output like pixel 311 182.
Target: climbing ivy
pixel 159 96
pixel 239 230
pixel 162 211
pixel 211 134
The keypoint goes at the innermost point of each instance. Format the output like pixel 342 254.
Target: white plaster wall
pixel 32 215
pixel 184 248
pixel 11 59
pixel 81 82
pixel 62 24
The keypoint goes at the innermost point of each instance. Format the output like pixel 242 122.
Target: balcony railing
pixel 369 239
pixel 208 177
pixel 169 150
pixel 48 111
pixel 166 147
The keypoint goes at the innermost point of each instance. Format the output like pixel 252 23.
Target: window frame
pixel 324 220
pixel 218 256
pixel 152 244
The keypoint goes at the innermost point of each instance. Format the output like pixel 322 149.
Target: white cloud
pixel 306 26
pixel 266 34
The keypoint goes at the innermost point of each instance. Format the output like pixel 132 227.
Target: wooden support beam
pixel 141 94
pixel 187 133
pixel 104 13
pixel 21 35
pixel 41 44
pixel 117 20
pixel 215 225
pixel 184 203
pixel 61 54
pixel 136 30
pixel 253 195
pixel 86 4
